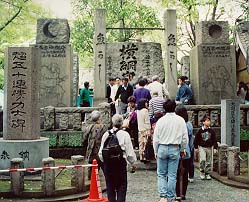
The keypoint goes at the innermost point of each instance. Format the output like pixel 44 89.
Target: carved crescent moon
pixel 46 30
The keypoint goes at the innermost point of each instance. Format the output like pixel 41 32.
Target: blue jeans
pixel 167 164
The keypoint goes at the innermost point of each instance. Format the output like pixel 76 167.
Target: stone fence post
pixel 233 162
pixel 17 178
pixel 48 177
pixel 78 177
pixel 222 159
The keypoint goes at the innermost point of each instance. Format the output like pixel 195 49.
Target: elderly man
pixel 156 86
pixel 92 139
pixel 170 140
pixel 116 173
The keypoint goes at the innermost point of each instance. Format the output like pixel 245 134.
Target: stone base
pixel 32 152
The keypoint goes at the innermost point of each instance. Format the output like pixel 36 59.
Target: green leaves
pixel 122 13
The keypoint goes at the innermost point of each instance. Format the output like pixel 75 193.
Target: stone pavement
pixel 142 187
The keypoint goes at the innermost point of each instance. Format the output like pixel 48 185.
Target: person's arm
pixel 102 145
pixel 197 139
pixel 189 93
pixel 155 138
pixel 178 95
pixel 129 151
pixel 184 142
pixel 108 92
pixel 118 92
pixel 151 111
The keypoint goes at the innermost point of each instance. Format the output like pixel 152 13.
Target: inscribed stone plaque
pixel 21 106
pixel 52 31
pixel 139 59
pixel 56 78
pixel 75 79
pixel 230 122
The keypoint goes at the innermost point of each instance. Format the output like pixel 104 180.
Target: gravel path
pixel 142 187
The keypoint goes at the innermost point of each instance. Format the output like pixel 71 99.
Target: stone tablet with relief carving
pixel 52 31
pixel 21 106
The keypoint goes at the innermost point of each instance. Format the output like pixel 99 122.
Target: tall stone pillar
pixel 171 52
pixel 213 68
pixel 100 56
pixel 21 117
pixel 56 77
pixel 230 122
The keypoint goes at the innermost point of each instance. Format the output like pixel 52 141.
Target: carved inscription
pixel 52 51
pixel 128 62
pixel 216 51
pixel 19 89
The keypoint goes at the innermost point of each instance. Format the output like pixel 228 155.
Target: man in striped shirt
pixel 156 109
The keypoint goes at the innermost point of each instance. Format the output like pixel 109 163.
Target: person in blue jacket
pixel 185 161
pixel 184 93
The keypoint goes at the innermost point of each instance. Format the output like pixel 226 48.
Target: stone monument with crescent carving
pixel 56 77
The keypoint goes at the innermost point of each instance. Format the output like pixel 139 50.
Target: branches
pixel 11 19
pixel 215 9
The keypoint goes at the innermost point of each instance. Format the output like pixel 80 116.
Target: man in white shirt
pixel 156 86
pixel 169 142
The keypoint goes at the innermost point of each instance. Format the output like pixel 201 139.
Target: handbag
pixel 126 122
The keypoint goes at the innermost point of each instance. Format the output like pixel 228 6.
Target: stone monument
pixel 136 58
pixel 99 44
pixel 171 52
pixel 56 78
pixel 185 66
pixel 230 122
pixel 21 116
pixel 213 68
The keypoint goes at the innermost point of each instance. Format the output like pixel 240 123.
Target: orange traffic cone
pixel 95 187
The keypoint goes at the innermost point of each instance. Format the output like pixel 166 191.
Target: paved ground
pixel 142 187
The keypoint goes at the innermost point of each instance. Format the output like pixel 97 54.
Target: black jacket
pixel 205 138
pixel 125 94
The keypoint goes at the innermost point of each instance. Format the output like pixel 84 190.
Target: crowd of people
pixel 144 118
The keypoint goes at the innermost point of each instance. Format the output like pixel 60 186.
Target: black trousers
pixel 84 104
pixel 116 181
pixel 182 177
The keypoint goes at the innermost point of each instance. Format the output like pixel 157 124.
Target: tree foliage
pixel 17 24
pixel 120 13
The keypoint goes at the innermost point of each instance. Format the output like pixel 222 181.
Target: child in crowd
pixel 205 141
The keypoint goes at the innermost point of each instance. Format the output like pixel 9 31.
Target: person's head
pixel 142 82
pixel 125 81
pixel 205 120
pixel 154 93
pixel 95 116
pixel 181 80
pixel 182 112
pixel 132 101
pixel 169 105
pixel 117 121
pixel 155 78
pixel 131 75
pixel 142 103
pixel 86 84
pixel 111 81
pixel 118 81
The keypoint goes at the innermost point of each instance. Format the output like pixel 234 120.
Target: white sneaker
pixel 202 176
pixel 191 180
pixel 208 177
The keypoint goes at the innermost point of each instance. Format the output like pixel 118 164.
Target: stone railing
pixel 227 163
pixel 196 112
pixel 79 181
pixel 69 118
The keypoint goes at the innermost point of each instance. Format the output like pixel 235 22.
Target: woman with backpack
pixel 115 151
